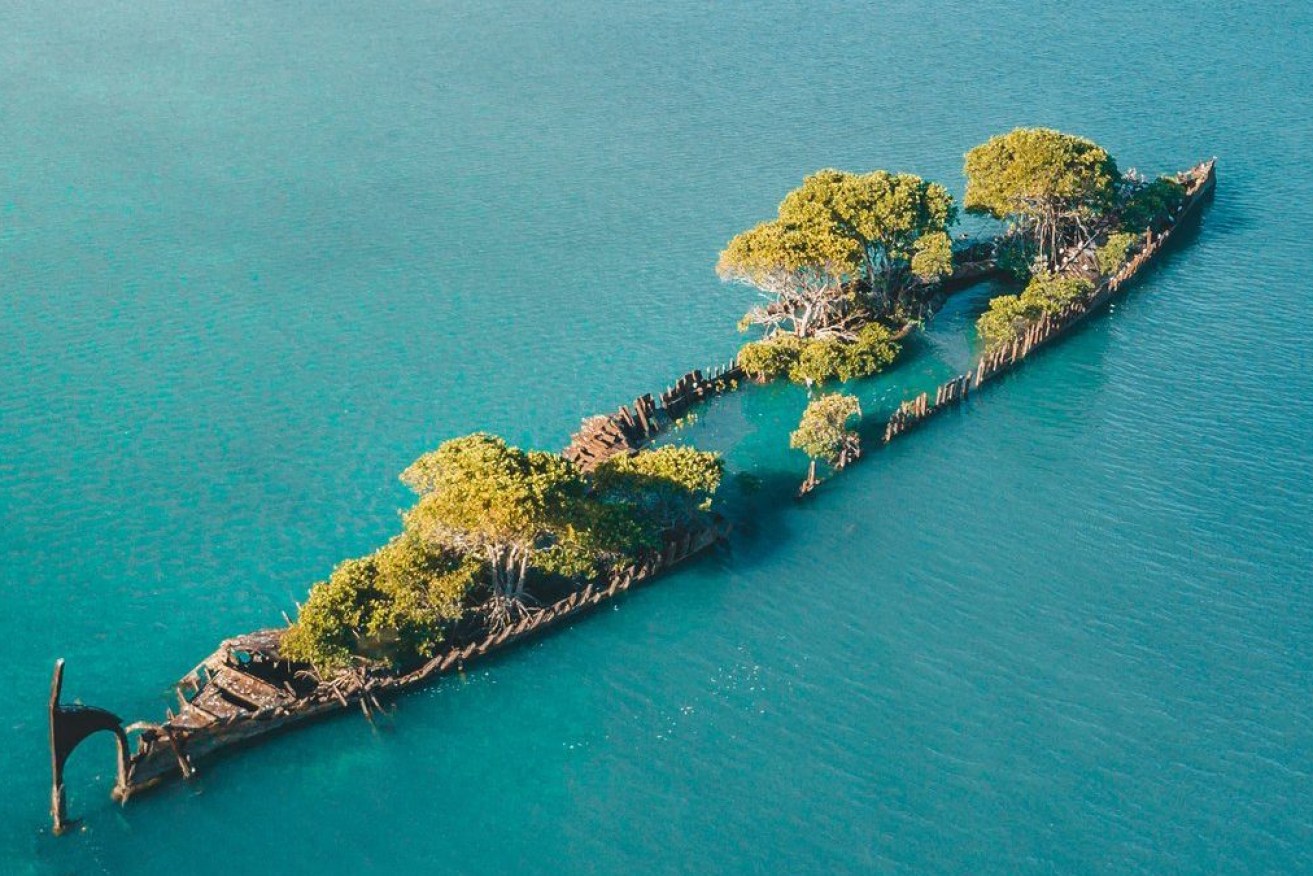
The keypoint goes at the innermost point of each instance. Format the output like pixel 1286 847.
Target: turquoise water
pixel 255 257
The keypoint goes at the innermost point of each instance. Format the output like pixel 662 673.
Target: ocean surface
pixel 255 257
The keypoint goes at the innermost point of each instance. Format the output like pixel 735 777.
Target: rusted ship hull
pixel 1199 182
pixel 246 689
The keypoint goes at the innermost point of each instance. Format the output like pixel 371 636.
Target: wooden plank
pixel 211 701
pixel 192 718
pixel 251 689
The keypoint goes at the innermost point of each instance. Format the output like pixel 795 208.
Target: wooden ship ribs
pixel 1199 182
pixel 246 689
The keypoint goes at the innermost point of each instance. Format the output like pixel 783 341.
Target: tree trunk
pixel 809 484
pixel 508 568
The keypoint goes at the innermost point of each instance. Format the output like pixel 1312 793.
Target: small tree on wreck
pixel 891 217
pixel 834 229
pixel 479 494
pixel 823 433
pixel 1050 184
pixel 801 268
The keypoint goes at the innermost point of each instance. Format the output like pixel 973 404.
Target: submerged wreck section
pixel 247 688
pixel 607 435
pixel 1199 182
pixel 626 431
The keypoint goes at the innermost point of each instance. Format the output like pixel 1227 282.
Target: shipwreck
pixel 247 689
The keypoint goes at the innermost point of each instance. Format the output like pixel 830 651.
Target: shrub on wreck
pixel 393 606
pixel 1114 251
pixel 481 496
pixel 841 248
pixel 1048 184
pixel 891 218
pixel 670 484
pixel 862 353
pixel 491 519
pixel 770 358
pixel 1009 315
pixel 823 432
pixel 1147 205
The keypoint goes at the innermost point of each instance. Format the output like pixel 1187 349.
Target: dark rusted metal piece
pixel 69 725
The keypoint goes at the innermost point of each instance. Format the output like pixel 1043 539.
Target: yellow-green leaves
pixel 768 359
pixel 816 360
pixel 777 252
pixel 823 431
pixel 1008 315
pixel 1045 181
pixel 884 214
pixel 1034 169
pixel 390 607
pixel 833 229
pixel 933 257
pixel 689 475
pixel 489 518
pixel 1148 204
pixel 478 490
pixel 1112 255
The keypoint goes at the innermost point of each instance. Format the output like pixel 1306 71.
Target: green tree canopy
pixel 669 484
pixel 816 360
pixel 772 357
pixel 1115 250
pixel 1048 182
pixel 886 215
pixel 1008 315
pixel 479 494
pixel 933 257
pixel 1147 204
pixel 834 228
pixel 801 268
pixel 393 606
pixel 823 431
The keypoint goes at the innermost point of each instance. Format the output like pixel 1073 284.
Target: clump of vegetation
pixel 1003 321
pixel 1114 251
pixel 1015 255
pixel 821 359
pixel 671 482
pixel 823 433
pixel 480 496
pixel 393 606
pixel 490 521
pixel 1048 184
pixel 1148 204
pixel 932 257
pixel 1009 315
pixel 841 248
pixel 873 350
pixel 857 354
pixel 772 357
pixel 1051 293
pixel 869 352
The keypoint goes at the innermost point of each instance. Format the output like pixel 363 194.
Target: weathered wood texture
pixel 230 705
pixel 607 435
